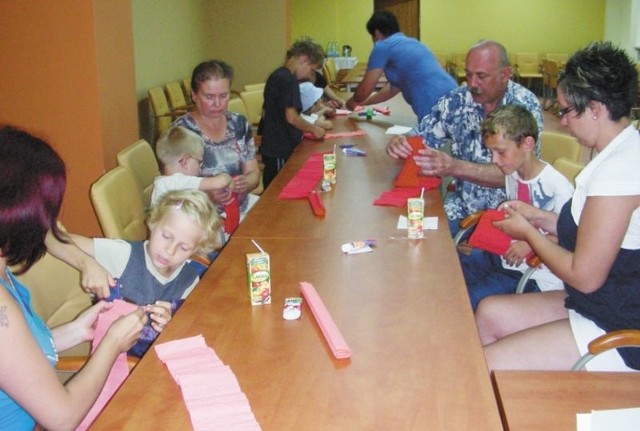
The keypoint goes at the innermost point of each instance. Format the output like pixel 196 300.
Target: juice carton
pixel 415 212
pixel 329 163
pixel 259 278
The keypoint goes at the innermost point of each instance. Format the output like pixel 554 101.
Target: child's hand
pixel 96 279
pixel 240 184
pixel 517 253
pixel 160 314
pixel 318 132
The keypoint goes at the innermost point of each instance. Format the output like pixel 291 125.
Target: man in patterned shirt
pixel 456 117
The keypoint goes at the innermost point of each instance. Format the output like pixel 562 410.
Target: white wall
pixel 622 18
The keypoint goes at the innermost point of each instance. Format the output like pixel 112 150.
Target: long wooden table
pixel 550 400
pixel 403 309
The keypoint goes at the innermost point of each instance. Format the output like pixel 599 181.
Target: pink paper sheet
pixel 331 333
pixel 209 388
pixel 120 369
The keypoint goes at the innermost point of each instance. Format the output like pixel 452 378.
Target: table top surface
pixel 550 400
pixel 403 310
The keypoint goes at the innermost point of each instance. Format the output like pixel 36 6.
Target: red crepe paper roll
pixel 316 204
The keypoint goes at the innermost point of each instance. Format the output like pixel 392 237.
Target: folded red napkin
pixel 489 238
pixel 232 211
pixel 409 175
pixel 305 180
pixel 316 204
pixel 398 196
pixel 328 327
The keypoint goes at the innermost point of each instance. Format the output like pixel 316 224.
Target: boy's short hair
pixel 383 21
pixel 309 47
pixel 175 143
pixel 515 122
pixel 195 204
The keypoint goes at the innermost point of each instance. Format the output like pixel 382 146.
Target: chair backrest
pixel 161 109
pixel 459 60
pixel 528 63
pixel 556 145
pixel 237 105
pixel 253 102
pixel 140 159
pixel 329 69
pixel 56 295
pixel 568 168
pixel 559 58
pixel 254 87
pixel 550 73
pixel 176 95
pixel 186 87
pixel 117 201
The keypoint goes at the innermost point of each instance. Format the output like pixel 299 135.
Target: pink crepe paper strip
pixel 337 135
pixel 120 369
pixel 331 333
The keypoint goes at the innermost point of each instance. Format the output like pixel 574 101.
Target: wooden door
pixel 406 11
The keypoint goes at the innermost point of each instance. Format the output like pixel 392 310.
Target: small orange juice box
pixel 415 212
pixel 329 164
pixel 259 278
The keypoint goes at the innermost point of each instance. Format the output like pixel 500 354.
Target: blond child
pixel 180 153
pixel 510 133
pixel 155 272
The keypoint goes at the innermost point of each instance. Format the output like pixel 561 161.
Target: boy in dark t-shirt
pixel 281 125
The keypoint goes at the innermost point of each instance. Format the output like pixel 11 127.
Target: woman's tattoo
pixel 4 320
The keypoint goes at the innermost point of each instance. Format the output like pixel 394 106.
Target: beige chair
pixel 175 94
pixel 117 201
pixel 186 87
pixel 162 112
pixel 237 105
pixel 556 145
pixel 550 74
pixel 140 159
pixel 254 87
pixel 568 168
pixel 253 101
pixel 457 66
pixel 559 58
pixel 527 67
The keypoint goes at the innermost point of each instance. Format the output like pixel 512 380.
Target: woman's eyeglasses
pixel 564 111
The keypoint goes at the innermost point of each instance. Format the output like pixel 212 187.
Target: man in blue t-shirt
pixel 410 68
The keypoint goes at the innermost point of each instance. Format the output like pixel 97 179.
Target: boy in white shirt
pixel 180 153
pixel 510 133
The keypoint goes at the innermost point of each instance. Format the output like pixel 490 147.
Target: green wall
pixel 454 25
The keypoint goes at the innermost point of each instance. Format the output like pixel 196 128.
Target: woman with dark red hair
pixel 31 189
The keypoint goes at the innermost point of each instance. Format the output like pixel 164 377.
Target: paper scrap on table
pixel 342 112
pixel 430 223
pixel 356 247
pixel 615 419
pixel 398 130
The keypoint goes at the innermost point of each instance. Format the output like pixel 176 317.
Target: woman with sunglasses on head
pixel 598 254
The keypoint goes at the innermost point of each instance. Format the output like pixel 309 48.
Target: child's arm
pixel 217 182
pixel 298 122
pixel 79 254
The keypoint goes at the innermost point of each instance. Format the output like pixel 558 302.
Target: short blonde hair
pixel 197 205
pixel 175 143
